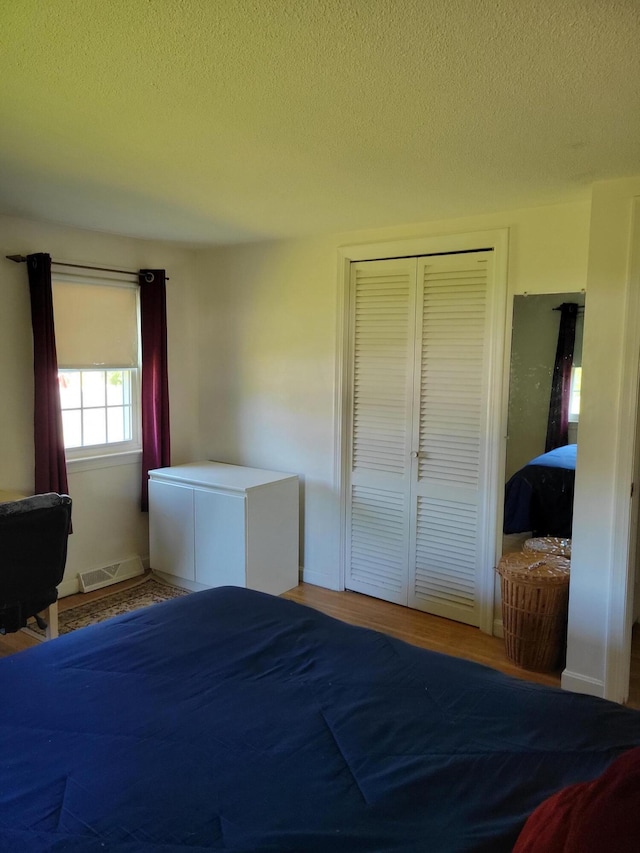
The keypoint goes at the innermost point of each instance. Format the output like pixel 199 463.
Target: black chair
pixel 33 552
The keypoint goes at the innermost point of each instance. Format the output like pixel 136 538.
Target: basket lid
pixel 549 545
pixel 532 566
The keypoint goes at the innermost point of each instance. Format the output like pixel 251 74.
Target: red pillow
pixel 601 816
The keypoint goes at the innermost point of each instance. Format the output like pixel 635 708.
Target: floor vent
pixel 97 578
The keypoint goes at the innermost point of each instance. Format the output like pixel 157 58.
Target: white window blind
pixel 96 325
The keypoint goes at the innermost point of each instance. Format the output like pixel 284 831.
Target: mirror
pixel 540 460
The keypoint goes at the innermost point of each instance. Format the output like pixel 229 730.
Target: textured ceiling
pixel 213 121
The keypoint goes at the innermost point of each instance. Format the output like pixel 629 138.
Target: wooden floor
pixel 413 626
pixel 421 629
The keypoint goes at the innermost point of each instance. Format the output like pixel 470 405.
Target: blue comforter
pixel 230 720
pixel 539 497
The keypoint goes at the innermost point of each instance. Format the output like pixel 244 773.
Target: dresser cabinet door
pixel 171 529
pixel 220 542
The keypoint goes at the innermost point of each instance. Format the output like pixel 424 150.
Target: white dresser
pixel 213 524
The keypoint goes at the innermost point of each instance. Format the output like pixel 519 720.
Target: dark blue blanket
pixel 539 497
pixel 232 720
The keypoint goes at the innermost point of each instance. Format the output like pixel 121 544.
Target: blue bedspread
pixel 539 497
pixel 232 720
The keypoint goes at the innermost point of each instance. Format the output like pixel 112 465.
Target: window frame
pixel 83 451
pixel 574 418
pixel 115 452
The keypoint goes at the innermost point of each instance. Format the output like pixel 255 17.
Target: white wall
pixel 267 348
pixel 108 525
pixel 598 628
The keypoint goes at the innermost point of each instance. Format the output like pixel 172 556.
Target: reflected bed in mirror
pixel 544 408
pixel 539 497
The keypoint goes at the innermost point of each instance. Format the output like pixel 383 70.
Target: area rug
pixel 149 591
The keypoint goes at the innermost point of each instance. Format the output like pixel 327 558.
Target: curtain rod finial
pixel 18 259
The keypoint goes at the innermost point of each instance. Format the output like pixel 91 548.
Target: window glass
pixel 93 389
pixel 72 428
pixel 116 423
pixel 115 387
pixel 94 426
pixel 574 399
pixel 70 392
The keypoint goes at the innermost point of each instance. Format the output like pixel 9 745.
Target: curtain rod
pixel 21 259
pixel 579 311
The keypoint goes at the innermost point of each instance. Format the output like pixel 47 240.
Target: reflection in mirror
pixel 544 413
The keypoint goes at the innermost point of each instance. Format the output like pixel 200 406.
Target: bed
pixel 233 720
pixel 539 497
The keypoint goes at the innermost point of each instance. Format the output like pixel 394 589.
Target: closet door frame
pixel 497 241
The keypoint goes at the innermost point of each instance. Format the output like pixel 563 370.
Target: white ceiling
pixel 215 121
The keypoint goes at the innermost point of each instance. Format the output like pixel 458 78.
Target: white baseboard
pixel 571 681
pixel 194 586
pixel 577 683
pixel 318 579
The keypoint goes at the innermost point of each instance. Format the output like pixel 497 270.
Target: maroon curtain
pixel 156 445
pixel 50 462
pixel 558 423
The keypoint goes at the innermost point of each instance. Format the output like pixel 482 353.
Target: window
pixel 97 340
pixel 97 406
pixel 576 370
pixel 574 394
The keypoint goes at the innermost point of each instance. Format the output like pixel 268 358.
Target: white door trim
pixel 498 241
pixel 625 535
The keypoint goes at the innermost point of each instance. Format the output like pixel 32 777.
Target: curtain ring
pixel 149 277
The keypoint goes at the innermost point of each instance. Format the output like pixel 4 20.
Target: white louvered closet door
pixel 450 429
pixel 382 315
pixel 418 444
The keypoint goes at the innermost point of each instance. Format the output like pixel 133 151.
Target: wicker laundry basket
pixel 555 545
pixel 535 598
